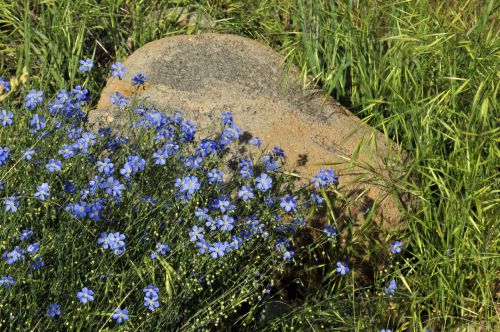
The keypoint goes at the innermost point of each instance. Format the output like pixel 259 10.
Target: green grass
pixel 425 73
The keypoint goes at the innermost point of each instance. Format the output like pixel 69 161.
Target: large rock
pixel 210 73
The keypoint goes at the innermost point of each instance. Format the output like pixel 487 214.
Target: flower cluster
pixel 20 252
pixel 324 178
pixel 113 241
pixel 166 205
pixel 151 297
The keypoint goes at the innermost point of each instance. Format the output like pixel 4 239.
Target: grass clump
pixel 426 74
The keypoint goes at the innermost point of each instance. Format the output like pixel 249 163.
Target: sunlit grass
pixel 425 73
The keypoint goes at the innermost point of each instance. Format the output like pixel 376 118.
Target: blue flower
pixel 13 256
pixel 246 173
pixel 342 268
pixel 116 243
pixel 316 198
pixel 210 223
pixel 288 203
pixel 6 118
pixel 127 170
pixel 118 70
pixel 157 120
pixel 79 210
pixel 25 235
pixel 86 65
pixel 282 245
pixel 151 291
pixel 196 233
pixel 215 176
pixel 4 85
pixel 95 211
pixel 330 231
pixel 300 221
pixel 133 165
pixel 54 310
pixel 386 330
pixel 37 122
pixel 74 132
pixel 62 104
pixel 28 153
pixel 80 93
pixel 160 156
pixel 33 248
pixel 202 246
pixel 105 166
pixel 67 151
pixel 278 152
pixel 324 178
pixel 227 118
pixel 104 240
pixel 6 281
pixel 118 99
pixel 69 187
pixel 235 242
pixel 33 98
pixel 113 187
pixel 396 247
pixel 192 162
pixel 246 164
pixel 188 130
pixel 162 248
pixel 271 164
pixel 151 302
pixel 264 182
pixel 245 193
pixel 201 214
pixel 151 297
pixel 218 249
pixel 85 296
pixel 391 288
pixel 10 204
pixel 226 223
pixel 81 146
pixel 37 264
pixel 54 165
pixel 256 141
pixel 138 79
pixel 230 134
pixel 288 254
pixel 166 151
pixel 221 203
pixel 137 162
pixel 207 147
pixel 4 155
pixel 120 315
pixel 43 191
pixel 188 184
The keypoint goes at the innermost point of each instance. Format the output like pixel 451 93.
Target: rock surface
pixel 208 74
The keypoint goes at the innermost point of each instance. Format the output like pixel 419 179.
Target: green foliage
pixel 199 287
pixel 426 74
pixel 423 72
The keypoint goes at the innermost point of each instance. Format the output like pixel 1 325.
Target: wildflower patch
pixel 100 230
